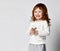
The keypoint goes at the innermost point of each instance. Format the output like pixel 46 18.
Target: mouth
pixel 37 15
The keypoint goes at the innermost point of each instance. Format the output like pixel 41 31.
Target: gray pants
pixel 37 47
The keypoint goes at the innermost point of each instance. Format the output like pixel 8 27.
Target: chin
pixel 38 18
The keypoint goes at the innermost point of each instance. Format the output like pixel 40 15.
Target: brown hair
pixel 45 13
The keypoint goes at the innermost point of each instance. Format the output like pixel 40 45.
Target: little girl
pixel 39 28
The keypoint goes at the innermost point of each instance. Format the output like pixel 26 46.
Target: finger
pixel 35 28
pixel 36 32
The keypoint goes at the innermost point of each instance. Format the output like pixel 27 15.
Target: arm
pixel 45 31
pixel 30 29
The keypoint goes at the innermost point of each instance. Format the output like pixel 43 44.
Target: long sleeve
pixel 30 26
pixel 46 29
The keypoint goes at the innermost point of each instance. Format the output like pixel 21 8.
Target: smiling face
pixel 38 13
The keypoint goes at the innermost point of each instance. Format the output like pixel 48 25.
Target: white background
pixel 15 19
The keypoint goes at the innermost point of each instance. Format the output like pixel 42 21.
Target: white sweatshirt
pixel 43 31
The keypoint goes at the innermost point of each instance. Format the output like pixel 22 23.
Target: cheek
pixel 40 14
pixel 35 14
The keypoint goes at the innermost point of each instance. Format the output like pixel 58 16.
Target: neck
pixel 39 20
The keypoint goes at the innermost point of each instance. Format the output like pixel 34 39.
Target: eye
pixel 35 11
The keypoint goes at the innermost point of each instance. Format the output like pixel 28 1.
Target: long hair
pixel 45 12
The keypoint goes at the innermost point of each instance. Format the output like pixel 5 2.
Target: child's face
pixel 38 13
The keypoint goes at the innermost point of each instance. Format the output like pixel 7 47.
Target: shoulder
pixel 32 22
pixel 44 21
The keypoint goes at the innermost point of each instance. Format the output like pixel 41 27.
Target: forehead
pixel 38 9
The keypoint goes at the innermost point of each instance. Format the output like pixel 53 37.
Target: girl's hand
pixel 33 31
pixel 36 32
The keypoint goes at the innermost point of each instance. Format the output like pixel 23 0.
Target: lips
pixel 37 15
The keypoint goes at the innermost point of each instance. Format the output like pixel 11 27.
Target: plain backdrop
pixel 15 20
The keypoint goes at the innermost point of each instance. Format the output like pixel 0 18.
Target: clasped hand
pixel 33 31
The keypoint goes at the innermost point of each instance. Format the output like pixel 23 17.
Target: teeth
pixel 38 16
